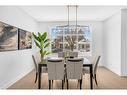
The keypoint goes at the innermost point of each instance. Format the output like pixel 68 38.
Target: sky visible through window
pixel 88 35
pixel 55 31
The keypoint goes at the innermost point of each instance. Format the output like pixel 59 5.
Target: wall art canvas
pixel 8 37
pixel 25 39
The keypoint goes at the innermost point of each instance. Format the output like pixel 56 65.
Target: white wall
pixel 15 64
pixel 112 43
pixel 97 33
pixel 124 43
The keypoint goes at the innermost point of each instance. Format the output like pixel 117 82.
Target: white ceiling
pixel 60 13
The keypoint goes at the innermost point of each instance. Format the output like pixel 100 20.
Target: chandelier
pixel 69 26
pixel 72 6
pixel 70 30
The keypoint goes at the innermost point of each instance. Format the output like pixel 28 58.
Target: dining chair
pixel 55 71
pixel 37 59
pixel 74 70
pixel 95 62
pixel 61 54
pixel 73 54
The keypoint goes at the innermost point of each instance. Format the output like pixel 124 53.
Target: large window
pixel 82 38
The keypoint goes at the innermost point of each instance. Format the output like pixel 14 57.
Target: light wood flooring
pixel 106 80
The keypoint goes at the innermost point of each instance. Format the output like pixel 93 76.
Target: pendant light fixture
pixel 72 6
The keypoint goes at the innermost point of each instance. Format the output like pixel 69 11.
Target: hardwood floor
pixel 106 80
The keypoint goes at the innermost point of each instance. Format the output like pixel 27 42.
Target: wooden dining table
pixel 85 64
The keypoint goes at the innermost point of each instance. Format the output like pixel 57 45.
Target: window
pixel 82 38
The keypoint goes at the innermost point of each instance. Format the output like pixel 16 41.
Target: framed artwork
pixel 24 39
pixel 8 37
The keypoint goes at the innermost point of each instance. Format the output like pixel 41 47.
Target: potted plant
pixel 42 42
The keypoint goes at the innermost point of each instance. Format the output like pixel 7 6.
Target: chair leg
pixel 36 77
pixel 95 79
pixel 67 84
pixel 81 84
pixel 78 81
pixel 64 78
pixel 49 84
pixel 52 82
pixel 62 83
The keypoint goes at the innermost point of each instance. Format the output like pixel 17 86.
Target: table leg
pixel 91 76
pixel 39 76
pixel 49 84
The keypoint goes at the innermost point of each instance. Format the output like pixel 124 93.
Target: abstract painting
pixel 8 37
pixel 24 39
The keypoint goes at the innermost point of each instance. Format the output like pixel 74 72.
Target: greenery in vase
pixel 42 42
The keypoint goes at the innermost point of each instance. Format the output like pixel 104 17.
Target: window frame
pixel 77 35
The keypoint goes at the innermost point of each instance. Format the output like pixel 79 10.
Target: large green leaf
pixel 47 40
pixel 39 35
pixel 42 44
pixel 35 37
pixel 37 44
pixel 48 53
pixel 46 45
pixel 44 36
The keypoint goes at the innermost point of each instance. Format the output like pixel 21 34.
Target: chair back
pixel 61 54
pixel 73 54
pixel 37 59
pixel 95 64
pixel 74 68
pixel 35 64
pixel 55 69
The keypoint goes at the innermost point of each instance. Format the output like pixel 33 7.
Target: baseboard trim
pixel 7 85
pixel 112 70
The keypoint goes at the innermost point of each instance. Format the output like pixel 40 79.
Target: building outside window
pixel 82 38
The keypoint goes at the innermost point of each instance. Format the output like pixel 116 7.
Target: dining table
pixel 86 63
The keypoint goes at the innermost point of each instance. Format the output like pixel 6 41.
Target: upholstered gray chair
pixel 73 54
pixel 95 62
pixel 37 59
pixel 55 70
pixel 61 54
pixel 74 69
